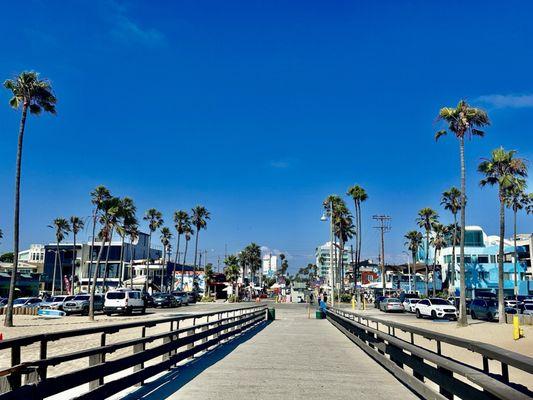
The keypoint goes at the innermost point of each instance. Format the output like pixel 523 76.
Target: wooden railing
pixel 416 366
pixel 30 380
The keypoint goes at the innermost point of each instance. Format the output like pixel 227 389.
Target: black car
pixel 148 300
pixel 165 300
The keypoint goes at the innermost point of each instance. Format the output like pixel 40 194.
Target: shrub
pixel 346 297
pixel 233 298
pixel 207 299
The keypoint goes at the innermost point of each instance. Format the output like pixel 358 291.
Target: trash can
pixel 320 314
pixel 271 314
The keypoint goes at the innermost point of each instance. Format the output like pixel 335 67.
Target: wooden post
pixel 138 348
pixel 42 356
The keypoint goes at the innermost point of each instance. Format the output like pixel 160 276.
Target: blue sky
pixel 260 109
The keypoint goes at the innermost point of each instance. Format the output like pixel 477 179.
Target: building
pixel 481 264
pixel 524 243
pixel 269 264
pixel 322 255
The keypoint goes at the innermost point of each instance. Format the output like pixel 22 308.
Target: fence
pixel 21 310
pixel 423 370
pixel 29 380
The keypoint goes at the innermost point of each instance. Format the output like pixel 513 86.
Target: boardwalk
pixel 292 358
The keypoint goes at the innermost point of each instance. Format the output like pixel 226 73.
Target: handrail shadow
pixel 178 377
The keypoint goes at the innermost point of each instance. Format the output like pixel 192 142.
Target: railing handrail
pixel 53 336
pixel 509 357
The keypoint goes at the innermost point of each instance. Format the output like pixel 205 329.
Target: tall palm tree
pixel 333 206
pixel 62 228
pixel 438 241
pixel 451 200
pixel 133 233
pixel 414 240
pixel 517 199
pixel 344 230
pixel 232 271
pixel 463 121
pixel 427 217
pixel 253 252
pixel 502 169
pixel 76 224
pixel 126 220
pixel 359 195
pixel 282 259
pixel 98 196
pixel 165 238
pixel 199 218
pixel 208 276
pixel 107 211
pixel 181 219
pixel 115 218
pixel 155 220
pixel 35 95
pixel 188 231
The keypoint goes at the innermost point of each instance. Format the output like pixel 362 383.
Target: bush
pixel 346 297
pixel 233 298
pixel 207 299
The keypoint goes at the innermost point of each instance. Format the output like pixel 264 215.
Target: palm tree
pixel 76 224
pixel 358 195
pixel 199 218
pixel 98 196
pixel 462 121
pixel 282 258
pixel 232 271
pixel 62 227
pixel 127 220
pixel 35 95
pixel 107 211
pixel 165 238
pixel 344 230
pixel 414 240
pixel 181 218
pixel 155 220
pixel 115 217
pixel 451 200
pixel 517 199
pixel 253 259
pixel 188 231
pixel 438 241
pixel 502 169
pixel 427 217
pixel 208 276
pixel 133 233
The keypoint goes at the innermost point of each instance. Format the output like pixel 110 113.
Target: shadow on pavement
pixel 178 377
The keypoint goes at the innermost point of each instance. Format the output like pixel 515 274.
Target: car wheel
pixel 418 315
pixel 473 314
pixel 433 315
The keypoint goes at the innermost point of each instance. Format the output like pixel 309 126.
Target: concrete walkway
pixel 292 358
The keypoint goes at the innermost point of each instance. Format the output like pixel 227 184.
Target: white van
pixel 123 301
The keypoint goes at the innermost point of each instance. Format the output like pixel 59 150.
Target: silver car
pixel 528 309
pixel 391 304
pixel 56 302
pixel 80 304
pixel 27 302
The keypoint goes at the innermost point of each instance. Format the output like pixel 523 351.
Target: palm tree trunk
pixel 501 304
pixel 462 321
pixel 176 260
pixel 9 312
pixel 107 261
pixel 54 274
pixel 60 272
pixel 163 265
pixel 95 277
pixel 451 285
pixel 91 250
pixel 184 261
pixel 427 261
pixel 148 261
pixel 359 235
pixel 434 267
pixel 131 265
pixel 515 261
pixel 195 256
pixel 121 262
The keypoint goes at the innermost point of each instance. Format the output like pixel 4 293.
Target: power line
pixel 384 227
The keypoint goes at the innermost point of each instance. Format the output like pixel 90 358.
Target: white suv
pixel 123 301
pixel 435 308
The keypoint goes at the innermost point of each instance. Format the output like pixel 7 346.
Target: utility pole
pixel 384 227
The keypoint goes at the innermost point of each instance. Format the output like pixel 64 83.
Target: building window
pixel 474 238
pixel 493 258
pixel 483 259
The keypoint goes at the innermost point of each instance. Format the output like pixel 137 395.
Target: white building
pixel 270 264
pixel 323 258
pixel 35 254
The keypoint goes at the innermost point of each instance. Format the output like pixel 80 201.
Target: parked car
pixel 510 301
pixel 26 302
pixel 80 304
pixel 165 300
pixel 456 300
pixel 56 302
pixel 3 301
pixel 525 301
pixel 391 304
pixel 484 309
pixel 182 297
pixel 403 296
pixel 435 308
pixel 193 297
pixel 409 304
pixel 123 301
pixel 378 300
pixel 148 300
pixel 528 309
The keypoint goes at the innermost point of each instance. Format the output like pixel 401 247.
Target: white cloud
pixel 507 100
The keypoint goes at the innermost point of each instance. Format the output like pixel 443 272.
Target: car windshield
pixel 492 303
pixel 57 299
pixel 414 300
pixel 116 295
pixel 528 306
pixel 160 296
pixel 83 297
pixel 439 302
pixel 394 300
pixel 22 300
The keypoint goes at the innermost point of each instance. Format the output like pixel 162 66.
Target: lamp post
pixel 324 218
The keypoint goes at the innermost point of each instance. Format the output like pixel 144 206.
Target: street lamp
pixel 324 218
